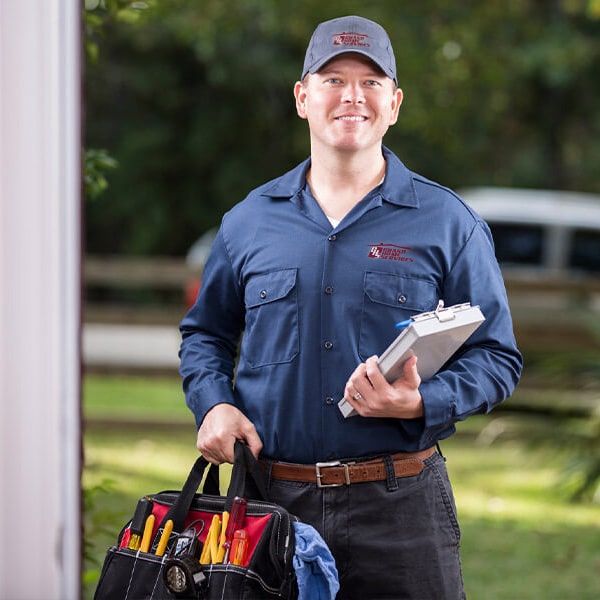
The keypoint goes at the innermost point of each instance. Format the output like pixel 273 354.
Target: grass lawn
pixel 522 539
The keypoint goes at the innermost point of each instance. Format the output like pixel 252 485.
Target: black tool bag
pixel 264 570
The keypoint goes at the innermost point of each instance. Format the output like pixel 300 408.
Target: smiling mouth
pixel 352 118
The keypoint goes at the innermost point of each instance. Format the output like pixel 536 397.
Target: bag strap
pixel 247 477
pixel 178 512
pixel 245 464
pixel 212 482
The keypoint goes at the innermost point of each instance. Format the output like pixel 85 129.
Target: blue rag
pixel 314 565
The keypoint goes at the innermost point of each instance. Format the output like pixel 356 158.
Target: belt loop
pixel 390 471
pixel 268 467
pixel 439 450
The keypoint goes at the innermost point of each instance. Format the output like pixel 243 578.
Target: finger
pixel 411 373
pixel 351 392
pixel 254 444
pixel 217 449
pixel 250 437
pixel 373 373
pixel 216 454
pixel 360 378
pixel 358 373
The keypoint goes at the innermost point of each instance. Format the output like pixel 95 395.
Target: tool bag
pixel 164 562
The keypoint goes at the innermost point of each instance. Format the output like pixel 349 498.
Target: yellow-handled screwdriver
pixel 164 538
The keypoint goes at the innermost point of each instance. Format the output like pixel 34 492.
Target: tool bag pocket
pixel 131 575
pixel 199 557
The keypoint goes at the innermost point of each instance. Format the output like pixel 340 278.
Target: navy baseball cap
pixel 350 34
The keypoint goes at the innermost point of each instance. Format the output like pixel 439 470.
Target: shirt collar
pixel 397 188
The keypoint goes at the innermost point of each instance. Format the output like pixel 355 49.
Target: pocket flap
pixel 403 292
pixel 269 287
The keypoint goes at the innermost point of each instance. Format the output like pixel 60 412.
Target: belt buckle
pixel 333 463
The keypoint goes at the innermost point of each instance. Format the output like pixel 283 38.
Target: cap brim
pixel 317 66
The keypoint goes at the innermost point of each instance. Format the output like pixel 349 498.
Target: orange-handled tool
pixel 239 547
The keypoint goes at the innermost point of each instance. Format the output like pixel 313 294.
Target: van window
pixel 585 250
pixel 518 244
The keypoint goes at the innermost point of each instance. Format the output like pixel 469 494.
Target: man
pixel 298 267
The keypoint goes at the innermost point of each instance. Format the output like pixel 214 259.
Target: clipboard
pixel 432 336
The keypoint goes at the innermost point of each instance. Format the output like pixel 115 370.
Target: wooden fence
pixel 545 310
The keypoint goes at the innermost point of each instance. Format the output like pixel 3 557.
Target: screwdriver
pixel 235 522
pixel 239 547
pixel 142 512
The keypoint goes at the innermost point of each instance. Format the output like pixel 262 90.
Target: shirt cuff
pixel 439 403
pixel 201 400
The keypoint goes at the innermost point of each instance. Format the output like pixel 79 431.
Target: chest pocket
pixel 271 335
pixel 388 299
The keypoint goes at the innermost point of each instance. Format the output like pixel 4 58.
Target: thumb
pixel 411 373
pixel 253 441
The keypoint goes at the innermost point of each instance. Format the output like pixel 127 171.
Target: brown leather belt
pixel 336 473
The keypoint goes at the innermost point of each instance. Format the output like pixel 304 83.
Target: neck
pixel 347 167
pixel 339 182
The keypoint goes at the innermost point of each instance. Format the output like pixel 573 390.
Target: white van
pixel 542 232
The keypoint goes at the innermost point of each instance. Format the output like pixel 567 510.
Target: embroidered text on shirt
pixel 390 252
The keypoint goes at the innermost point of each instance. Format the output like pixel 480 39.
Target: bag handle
pixel 255 486
pixel 178 512
pixel 240 485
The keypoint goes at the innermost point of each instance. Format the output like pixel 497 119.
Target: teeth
pixel 351 118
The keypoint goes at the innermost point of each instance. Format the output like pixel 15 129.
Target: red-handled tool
pixel 235 522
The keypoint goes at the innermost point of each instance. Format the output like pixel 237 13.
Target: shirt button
pixel 329 290
pixel 402 298
pixel 329 400
pixel 328 345
pixel 263 294
pixel 332 237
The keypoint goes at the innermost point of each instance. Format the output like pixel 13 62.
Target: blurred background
pixel 188 106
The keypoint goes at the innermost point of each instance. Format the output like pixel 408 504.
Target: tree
pixel 194 101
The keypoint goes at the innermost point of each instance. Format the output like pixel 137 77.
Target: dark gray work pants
pixel 397 539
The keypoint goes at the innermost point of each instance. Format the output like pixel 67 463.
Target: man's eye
pixel 333 80
pixel 372 83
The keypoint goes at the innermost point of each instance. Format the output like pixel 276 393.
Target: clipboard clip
pixel 442 313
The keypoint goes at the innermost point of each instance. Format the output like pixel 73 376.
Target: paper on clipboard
pixel 433 337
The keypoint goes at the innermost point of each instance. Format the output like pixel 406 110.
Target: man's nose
pixel 353 93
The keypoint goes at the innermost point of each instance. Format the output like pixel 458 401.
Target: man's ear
pixel 396 103
pixel 300 95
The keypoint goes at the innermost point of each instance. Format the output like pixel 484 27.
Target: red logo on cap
pixel 351 38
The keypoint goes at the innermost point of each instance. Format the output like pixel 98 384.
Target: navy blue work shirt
pixel 314 301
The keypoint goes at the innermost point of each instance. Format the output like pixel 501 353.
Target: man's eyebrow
pixel 329 71
pixel 374 72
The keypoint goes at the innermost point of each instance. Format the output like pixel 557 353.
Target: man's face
pixel 349 104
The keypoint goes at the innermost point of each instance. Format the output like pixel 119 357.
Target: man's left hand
pixel 372 396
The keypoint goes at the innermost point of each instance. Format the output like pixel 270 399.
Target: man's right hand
pixel 221 427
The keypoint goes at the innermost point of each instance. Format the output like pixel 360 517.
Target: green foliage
pixel 520 533
pixel 582 473
pixel 194 100
pixel 95 165
pixel 98 13
pixel 129 397
pixel 571 442
pixel 99 520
